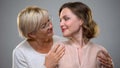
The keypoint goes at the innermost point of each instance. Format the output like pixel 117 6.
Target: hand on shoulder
pixel 105 60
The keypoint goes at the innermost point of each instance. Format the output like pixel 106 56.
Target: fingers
pixel 104 56
pixel 57 51
pixel 60 48
pixel 105 63
pixel 55 48
pixel 105 59
pixel 105 53
pixel 60 52
pixel 54 55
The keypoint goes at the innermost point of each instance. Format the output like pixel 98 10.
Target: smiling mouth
pixel 63 30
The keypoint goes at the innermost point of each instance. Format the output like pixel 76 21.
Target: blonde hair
pixel 30 20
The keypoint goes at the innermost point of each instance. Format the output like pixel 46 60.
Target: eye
pixel 66 18
pixel 48 20
pixel 43 25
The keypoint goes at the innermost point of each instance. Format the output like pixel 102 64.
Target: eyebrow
pixel 63 16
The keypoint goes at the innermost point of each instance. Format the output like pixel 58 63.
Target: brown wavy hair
pixel 82 11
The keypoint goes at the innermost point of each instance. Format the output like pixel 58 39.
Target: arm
pixel 54 55
pixel 18 60
pixel 105 60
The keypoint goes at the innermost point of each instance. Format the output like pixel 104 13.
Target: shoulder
pixel 58 39
pixel 21 45
pixel 21 48
pixel 96 47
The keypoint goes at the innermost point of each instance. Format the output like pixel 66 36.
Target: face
pixel 45 32
pixel 70 24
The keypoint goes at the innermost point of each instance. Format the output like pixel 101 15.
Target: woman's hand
pixel 105 59
pixel 54 55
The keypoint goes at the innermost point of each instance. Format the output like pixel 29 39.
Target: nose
pixel 61 23
pixel 50 26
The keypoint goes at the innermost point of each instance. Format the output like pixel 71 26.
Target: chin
pixel 66 35
pixel 50 35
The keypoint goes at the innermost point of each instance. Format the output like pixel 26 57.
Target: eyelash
pixel 45 24
pixel 66 18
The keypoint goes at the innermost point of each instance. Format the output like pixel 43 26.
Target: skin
pixel 103 57
pixel 42 42
pixel 68 22
pixel 71 27
pixel 51 62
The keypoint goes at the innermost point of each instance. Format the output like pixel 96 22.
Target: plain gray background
pixel 105 12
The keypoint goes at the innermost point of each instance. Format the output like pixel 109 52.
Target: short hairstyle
pixel 82 11
pixel 30 20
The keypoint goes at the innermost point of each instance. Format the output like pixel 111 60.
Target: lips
pixel 63 29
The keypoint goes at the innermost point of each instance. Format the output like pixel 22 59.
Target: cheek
pixel 74 28
pixel 74 25
pixel 42 34
pixel 69 24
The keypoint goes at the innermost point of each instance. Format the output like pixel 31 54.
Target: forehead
pixel 66 12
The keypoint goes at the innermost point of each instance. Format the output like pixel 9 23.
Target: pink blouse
pixel 75 57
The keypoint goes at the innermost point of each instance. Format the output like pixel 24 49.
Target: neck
pixel 42 46
pixel 77 39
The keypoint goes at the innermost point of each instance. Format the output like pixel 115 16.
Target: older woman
pixel 79 27
pixel 37 50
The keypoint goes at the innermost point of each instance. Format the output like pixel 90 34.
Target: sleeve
pixel 18 60
pixel 43 66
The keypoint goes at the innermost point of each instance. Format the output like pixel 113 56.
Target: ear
pixel 81 22
pixel 32 35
